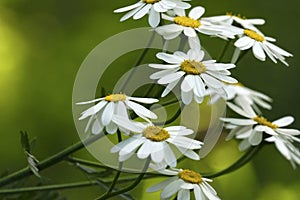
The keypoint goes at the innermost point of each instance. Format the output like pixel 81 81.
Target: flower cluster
pixel 198 77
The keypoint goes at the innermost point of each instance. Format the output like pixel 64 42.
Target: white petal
pixel 122 144
pixel 141 13
pixel 222 77
pixel 285 121
pixel 194 43
pixel 198 193
pixel 159 8
pixel 196 12
pixel 171 189
pixel 131 147
pixel 176 128
pixel 187 97
pixel 189 153
pixel 162 66
pixel 171 77
pixel 183 195
pixel 283 149
pixel 258 51
pixel 188 83
pixel 255 138
pixel 93 110
pixel 160 74
pixel 161 185
pixel 240 122
pixel 157 154
pixel 131 13
pixel 211 81
pixel 91 101
pixel 108 113
pixel 154 18
pixel 278 49
pixel 190 32
pixel 127 8
pixel 200 86
pixel 244 43
pixel 141 110
pixel 125 123
pixel 97 127
pixel 240 111
pixel 169 58
pixel 170 158
pixel 143 100
pixel 145 150
pixel 111 128
pixel 185 142
pixel 288 131
pixel 169 88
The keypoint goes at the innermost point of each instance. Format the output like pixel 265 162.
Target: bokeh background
pixel 43 43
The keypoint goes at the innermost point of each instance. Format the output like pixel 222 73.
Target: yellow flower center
pixel 265 122
pixel 235 15
pixel 151 1
pixel 186 21
pixel 235 84
pixel 190 176
pixel 192 67
pixel 255 36
pixel 156 134
pixel 115 97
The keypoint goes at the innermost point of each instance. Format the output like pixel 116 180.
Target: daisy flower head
pixel 251 129
pixel 152 7
pixel 261 46
pixel 101 114
pixel 190 25
pixel 231 19
pixel 284 143
pixel 154 142
pixel 182 182
pixel 197 74
pixel 240 94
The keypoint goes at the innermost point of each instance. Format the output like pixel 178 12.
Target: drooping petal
pixel 154 18
pixel 141 13
pixel 108 113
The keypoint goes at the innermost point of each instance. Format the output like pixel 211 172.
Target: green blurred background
pixel 43 43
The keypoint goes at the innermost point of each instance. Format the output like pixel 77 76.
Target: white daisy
pixel 261 45
pixel 230 18
pixel 155 141
pixel 182 182
pixel 192 24
pixel 151 7
pixel 284 144
pixel 196 73
pixel 251 129
pixel 102 113
pixel 240 94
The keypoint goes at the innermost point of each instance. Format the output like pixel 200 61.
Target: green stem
pixel 49 161
pixel 49 187
pixel 224 50
pixel 130 187
pixel 172 119
pixel 139 61
pixel 87 163
pixel 239 163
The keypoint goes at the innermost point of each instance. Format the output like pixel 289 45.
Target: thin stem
pixel 224 50
pixel 49 161
pixel 172 119
pixel 49 187
pixel 87 163
pixel 139 61
pixel 130 187
pixel 242 55
pixel 239 163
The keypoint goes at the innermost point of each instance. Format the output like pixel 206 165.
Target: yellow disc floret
pixel 186 21
pixel 235 15
pixel 151 1
pixel 190 176
pixel 254 35
pixel 156 134
pixel 192 67
pixel 263 121
pixel 115 97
